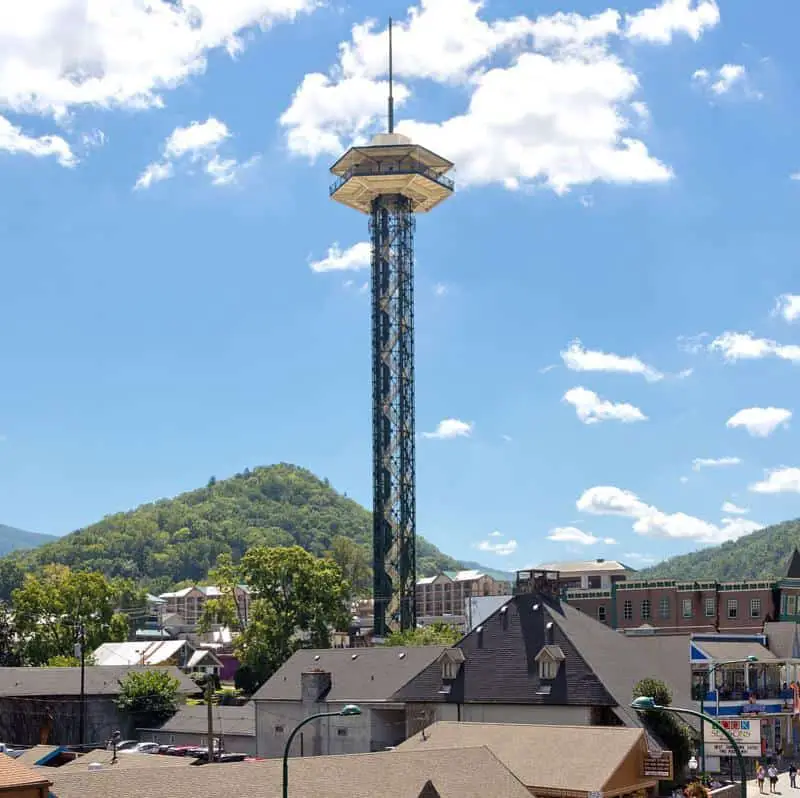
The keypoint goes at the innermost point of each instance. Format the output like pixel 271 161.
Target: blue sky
pixel 175 303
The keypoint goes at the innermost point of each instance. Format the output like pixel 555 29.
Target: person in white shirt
pixel 772 772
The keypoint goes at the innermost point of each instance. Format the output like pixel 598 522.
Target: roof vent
pixel 549 626
pixel 354 656
pixel 94 767
pixel 316 657
pixel 503 610
pixel 535 608
pixel 401 655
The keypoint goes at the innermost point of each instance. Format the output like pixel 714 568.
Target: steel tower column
pixel 394 501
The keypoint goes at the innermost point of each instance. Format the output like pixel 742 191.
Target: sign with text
pixel 747 734
pixel 658 766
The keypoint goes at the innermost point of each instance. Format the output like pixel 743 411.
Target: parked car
pixel 123 745
pixel 141 748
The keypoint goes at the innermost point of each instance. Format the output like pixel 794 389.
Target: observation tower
pixel 391 179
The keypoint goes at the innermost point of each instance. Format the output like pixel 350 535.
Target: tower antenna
pixel 391 97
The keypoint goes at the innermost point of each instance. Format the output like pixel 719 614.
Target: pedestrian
pixel 793 775
pixel 772 772
pixel 760 775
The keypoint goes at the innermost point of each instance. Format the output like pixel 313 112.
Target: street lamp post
pixel 704 691
pixel 647 704
pixel 347 711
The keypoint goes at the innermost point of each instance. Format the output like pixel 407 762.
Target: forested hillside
pixel 175 540
pixel 760 555
pixel 12 539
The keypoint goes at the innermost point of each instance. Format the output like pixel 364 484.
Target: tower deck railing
pixel 407 168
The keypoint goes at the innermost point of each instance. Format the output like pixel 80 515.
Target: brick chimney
pixel 314 685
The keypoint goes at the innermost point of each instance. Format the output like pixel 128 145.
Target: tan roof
pixel 580 566
pixel 720 652
pixel 572 758
pixel 33 755
pixel 465 773
pixel 15 774
pixel 124 761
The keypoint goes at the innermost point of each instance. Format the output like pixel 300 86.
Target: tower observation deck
pixel 391 179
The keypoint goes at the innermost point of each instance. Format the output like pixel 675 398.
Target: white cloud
pixel 732 509
pixel 60 55
pixel 788 305
pixel 683 480
pixel 559 111
pixel 723 80
pixel 639 559
pixel 779 480
pixel 197 143
pixel 359 256
pixel 451 428
pixel 501 549
pixel 590 408
pixel 571 534
pixel 649 521
pixel 440 289
pixel 495 534
pixel 685 374
pixel 760 421
pixel 692 343
pixel 14 141
pixel 576 358
pixel 745 346
pixel 658 25
pixel 714 462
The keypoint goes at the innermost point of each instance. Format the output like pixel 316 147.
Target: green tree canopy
pixel 297 595
pixel 437 634
pixel 149 696
pixel 50 609
pixel 666 726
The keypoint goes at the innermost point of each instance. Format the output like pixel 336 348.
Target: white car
pixel 141 748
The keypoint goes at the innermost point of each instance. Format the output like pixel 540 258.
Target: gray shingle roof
pixel 462 773
pixel 34 755
pixel 357 674
pixel 782 638
pixel 501 667
pixel 101 756
pixel 239 721
pixel 19 682
pixel 570 758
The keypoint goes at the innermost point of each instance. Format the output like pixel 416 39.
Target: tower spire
pixel 391 97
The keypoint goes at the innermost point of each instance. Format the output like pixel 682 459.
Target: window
pixel 711 607
pixel 594 583
pixel 663 607
pixel 341 732
pixel 755 608
pixel 645 610
pixel 791 605
pixel 601 614
pixel 627 610
pixel 688 610
pixel 547 668
pixel 733 608
pixel 279 730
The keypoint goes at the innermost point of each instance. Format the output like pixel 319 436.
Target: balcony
pixel 389 170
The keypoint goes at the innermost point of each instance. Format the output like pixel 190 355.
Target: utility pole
pixel 82 644
pixel 210 701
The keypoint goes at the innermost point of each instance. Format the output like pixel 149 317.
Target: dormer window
pixel 549 660
pixel 451 661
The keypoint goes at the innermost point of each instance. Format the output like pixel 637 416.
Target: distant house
pixel 462 773
pixel 20 781
pixel 42 705
pixel 179 653
pixel 234 726
pixel 326 680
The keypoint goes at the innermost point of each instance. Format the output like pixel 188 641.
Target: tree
pixel 149 696
pixel 11 577
pixel 51 609
pixel 297 596
pixel 437 634
pixel 227 610
pixel 353 560
pixel 666 726
pixel 9 648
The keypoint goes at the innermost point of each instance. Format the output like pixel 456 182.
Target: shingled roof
pixel 500 662
pixel 15 774
pixel 357 674
pixel 462 773
pixel 100 680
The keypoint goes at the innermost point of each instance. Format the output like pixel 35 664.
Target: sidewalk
pixel 783 788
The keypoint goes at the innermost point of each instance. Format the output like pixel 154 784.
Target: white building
pixel 597 574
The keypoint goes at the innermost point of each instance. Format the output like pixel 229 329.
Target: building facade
pixel 599 574
pixel 190 602
pixel 446 594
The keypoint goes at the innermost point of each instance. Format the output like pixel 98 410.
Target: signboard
pixel 658 766
pixel 746 732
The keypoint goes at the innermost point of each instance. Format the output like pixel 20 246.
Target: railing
pixel 757 694
pixel 408 168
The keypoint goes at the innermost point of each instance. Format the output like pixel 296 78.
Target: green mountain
pixel 760 555
pixel 12 539
pixel 176 540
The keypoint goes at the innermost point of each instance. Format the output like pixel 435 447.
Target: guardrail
pixel 414 168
